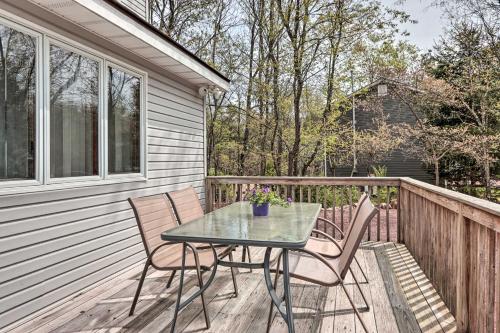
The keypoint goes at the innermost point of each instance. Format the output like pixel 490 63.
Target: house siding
pixel 139 7
pixel 56 242
pixel 398 163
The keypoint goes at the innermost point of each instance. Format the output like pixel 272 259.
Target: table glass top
pixel 288 227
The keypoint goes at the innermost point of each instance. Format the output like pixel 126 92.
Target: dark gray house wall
pixel 396 112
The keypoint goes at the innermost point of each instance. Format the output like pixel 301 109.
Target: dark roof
pixel 382 80
pixel 158 32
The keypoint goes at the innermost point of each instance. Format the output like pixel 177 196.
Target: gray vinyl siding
pixel 57 242
pixel 398 164
pixel 139 7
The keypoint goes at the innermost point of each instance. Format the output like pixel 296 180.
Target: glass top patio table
pixel 285 227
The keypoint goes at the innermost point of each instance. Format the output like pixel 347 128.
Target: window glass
pixel 124 130
pixel 17 104
pixel 74 100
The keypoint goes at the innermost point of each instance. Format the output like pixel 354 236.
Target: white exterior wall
pixel 139 7
pixel 62 239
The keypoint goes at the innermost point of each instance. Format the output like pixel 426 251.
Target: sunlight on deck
pixel 400 296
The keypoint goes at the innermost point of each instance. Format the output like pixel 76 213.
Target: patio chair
pixel 330 247
pixel 187 208
pixel 312 267
pixel 154 214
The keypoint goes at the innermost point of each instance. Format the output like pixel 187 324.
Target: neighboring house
pixel 396 112
pixel 97 106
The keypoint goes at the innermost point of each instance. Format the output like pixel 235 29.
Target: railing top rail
pixel 468 200
pixel 357 181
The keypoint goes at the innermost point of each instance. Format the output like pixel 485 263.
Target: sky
pixel 430 21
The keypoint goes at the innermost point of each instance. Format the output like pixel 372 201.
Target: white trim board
pixel 105 19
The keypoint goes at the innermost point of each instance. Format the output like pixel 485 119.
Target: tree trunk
pixel 277 152
pixel 335 39
pixel 436 173
pixel 487 178
pixel 248 105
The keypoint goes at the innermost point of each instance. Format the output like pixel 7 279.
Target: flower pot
pixel 261 210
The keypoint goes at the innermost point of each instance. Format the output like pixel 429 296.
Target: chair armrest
pixel 160 246
pixel 330 238
pixel 320 258
pixel 189 245
pixel 333 225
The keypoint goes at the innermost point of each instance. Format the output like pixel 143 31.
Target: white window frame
pixel 42 180
pixel 143 139
pixel 39 170
pixel 382 90
pixel 48 41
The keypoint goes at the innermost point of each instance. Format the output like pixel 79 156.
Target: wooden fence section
pixel 455 239
pixel 336 195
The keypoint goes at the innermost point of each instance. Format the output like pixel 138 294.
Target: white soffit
pixel 104 20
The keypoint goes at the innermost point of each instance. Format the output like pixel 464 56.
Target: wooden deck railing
pixel 336 195
pixel 455 238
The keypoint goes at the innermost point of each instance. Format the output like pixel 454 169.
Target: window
pixel 18 74
pixel 124 122
pixel 74 105
pixel 68 114
pixel 382 90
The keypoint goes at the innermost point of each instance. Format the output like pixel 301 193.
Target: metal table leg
pixel 287 312
pixel 288 294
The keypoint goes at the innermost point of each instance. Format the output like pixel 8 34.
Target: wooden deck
pixel 400 296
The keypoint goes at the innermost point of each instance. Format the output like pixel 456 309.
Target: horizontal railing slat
pixel 315 181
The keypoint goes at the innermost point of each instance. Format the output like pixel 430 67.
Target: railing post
pixel 462 264
pixel 398 217
pixel 208 195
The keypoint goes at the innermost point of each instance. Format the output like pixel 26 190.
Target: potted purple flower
pixel 262 198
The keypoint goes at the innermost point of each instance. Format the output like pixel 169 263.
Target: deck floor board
pixel 400 298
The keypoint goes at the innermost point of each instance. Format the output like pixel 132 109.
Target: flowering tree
pixel 432 143
pixel 373 145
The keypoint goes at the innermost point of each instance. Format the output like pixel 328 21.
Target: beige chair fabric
pixel 326 247
pixel 154 215
pixel 306 267
pixel 187 207
pixel 312 267
pixel 186 204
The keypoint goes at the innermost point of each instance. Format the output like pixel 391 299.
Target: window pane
pixel 74 100
pixel 17 104
pixel 124 130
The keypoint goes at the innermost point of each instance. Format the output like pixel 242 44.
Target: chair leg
pixel 361 269
pixel 276 277
pixel 200 283
pixel 170 279
pixel 139 287
pixel 179 292
pixel 367 307
pixel 354 307
pixel 233 275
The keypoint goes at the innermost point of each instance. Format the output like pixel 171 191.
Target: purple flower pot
pixel 262 210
